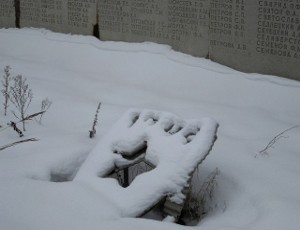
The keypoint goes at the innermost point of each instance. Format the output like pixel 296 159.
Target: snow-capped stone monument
pixel 253 36
pixel 175 147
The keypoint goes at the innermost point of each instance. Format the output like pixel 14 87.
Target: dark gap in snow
pixel 62 173
pixel 134 119
pixel 169 127
pixel 134 165
pixel 190 136
pixel 17 13
pixel 96 32
pixel 134 155
pixel 61 177
pixel 126 176
pixel 155 212
pixel 175 129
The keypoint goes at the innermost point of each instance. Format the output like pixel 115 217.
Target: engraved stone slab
pixel 7 13
pixel 256 36
pixel 183 24
pixel 66 16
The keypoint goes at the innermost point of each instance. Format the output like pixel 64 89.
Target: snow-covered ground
pixel 77 72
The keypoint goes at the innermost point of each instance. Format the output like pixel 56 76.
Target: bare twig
pixel 15 128
pixel 275 139
pixel 32 116
pixel 46 103
pixel 14 124
pixel 16 143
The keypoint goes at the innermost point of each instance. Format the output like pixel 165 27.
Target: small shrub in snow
pixel 20 96
pixel 198 203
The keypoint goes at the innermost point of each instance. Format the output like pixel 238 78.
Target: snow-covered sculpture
pixel 174 146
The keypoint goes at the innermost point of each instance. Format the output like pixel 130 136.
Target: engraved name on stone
pixel 257 36
pixel 71 16
pixel 7 13
pixel 182 24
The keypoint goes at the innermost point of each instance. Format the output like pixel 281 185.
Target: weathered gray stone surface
pixel 7 13
pixel 256 36
pixel 67 16
pixel 183 24
pixel 253 36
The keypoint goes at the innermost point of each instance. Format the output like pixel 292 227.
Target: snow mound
pixel 173 145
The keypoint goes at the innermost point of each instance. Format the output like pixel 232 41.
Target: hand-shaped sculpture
pixel 173 145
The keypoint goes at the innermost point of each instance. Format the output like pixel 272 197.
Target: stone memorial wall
pixel 181 24
pixel 66 16
pixel 249 35
pixel 7 13
pixel 256 36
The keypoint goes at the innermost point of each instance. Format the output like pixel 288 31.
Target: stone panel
pixel 256 36
pixel 7 13
pixel 183 24
pixel 66 16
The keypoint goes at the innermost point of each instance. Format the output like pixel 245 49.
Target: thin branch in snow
pixel 14 124
pixel 264 151
pixel 16 143
pixel 29 117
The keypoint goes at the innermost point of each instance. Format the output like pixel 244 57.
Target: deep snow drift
pixel 76 72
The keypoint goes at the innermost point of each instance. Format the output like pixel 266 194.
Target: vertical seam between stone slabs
pixel 17 13
pixel 209 32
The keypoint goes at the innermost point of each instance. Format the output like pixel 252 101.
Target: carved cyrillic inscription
pixel 254 36
pixel 227 26
pixel 180 23
pixel 278 28
pixel 257 36
pixel 7 13
pixel 70 16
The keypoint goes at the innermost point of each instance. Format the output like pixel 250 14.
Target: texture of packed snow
pixel 76 72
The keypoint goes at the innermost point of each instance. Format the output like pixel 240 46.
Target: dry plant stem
pixel 209 184
pixel 16 143
pixel 197 204
pixel 15 128
pixel 27 118
pixel 46 103
pixel 5 90
pixel 275 139
pixel 93 131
